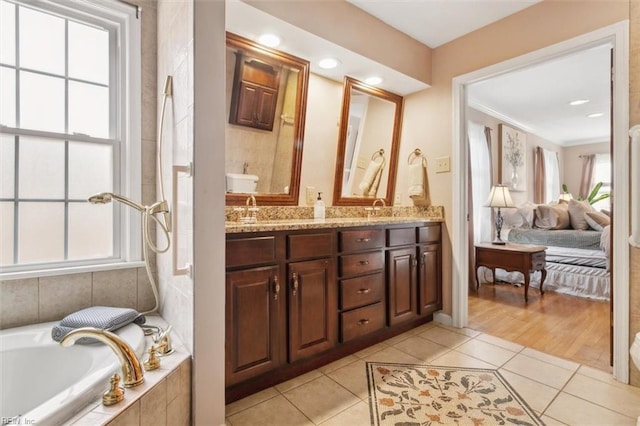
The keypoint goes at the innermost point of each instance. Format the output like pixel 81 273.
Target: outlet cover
pixel 312 194
pixel 443 164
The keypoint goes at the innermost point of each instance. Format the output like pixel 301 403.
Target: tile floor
pixel 560 391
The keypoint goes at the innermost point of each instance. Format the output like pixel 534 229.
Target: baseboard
pixel 443 318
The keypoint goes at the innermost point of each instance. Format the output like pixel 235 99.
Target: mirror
pixel 266 97
pixel 368 144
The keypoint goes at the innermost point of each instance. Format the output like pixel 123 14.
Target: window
pixel 602 173
pixel 70 118
pixel 552 176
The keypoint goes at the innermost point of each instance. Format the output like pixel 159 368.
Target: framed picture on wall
pixel 512 164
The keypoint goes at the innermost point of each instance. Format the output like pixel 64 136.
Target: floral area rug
pixel 413 395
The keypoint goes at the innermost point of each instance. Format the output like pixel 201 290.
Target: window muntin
pixel 66 73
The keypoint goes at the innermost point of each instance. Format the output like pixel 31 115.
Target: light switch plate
pixel 311 195
pixel 443 164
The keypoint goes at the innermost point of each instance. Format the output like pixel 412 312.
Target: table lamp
pixel 499 197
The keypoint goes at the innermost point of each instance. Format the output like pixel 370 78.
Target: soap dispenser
pixel 318 208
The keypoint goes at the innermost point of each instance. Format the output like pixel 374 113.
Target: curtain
pixel 538 176
pixel 588 161
pixel 552 176
pixel 480 180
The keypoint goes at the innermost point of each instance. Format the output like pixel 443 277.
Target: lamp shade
pixel 566 196
pixel 499 197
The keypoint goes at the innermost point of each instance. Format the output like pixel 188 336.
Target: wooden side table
pixel 523 258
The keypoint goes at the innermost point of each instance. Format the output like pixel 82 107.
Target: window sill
pixel 70 270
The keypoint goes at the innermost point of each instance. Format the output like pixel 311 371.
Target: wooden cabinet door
pixel 313 314
pixel 401 280
pixel 429 278
pixel 254 309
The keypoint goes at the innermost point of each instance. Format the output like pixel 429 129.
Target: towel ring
pixel 416 153
pixel 379 153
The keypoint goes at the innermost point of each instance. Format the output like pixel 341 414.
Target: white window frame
pixel 123 21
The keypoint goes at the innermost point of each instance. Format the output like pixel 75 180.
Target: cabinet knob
pixel 276 287
pixel 364 262
pixel 423 259
pixel 363 240
pixel 295 284
pixel 364 290
pixel 363 322
pixel 414 261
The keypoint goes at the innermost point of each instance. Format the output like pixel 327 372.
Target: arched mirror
pixel 266 105
pixel 368 144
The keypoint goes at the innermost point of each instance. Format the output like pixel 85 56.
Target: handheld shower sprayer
pixel 107 197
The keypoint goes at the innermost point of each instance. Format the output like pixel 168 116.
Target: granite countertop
pixel 295 224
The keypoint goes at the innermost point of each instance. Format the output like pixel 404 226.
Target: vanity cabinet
pixel 299 299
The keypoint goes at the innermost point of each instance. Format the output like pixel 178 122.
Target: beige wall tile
pixel 18 302
pixel 62 295
pixel 145 293
pixel 130 417
pixel 153 406
pixel 118 288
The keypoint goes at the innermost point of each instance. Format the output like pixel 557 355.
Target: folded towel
pixel 371 179
pixel 102 317
pixel 418 185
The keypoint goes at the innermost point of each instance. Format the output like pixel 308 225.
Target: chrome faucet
pixel 132 373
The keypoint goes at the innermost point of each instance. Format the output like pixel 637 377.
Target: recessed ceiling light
pixel 373 80
pixel 328 63
pixel 269 40
pixel 595 115
pixel 579 102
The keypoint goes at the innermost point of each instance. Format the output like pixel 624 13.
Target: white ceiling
pixel 534 99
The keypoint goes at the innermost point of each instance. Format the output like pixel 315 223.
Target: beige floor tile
pixel 505 344
pixel 540 371
pixel 551 422
pixel 392 355
pixel 250 401
pixel 464 331
pixel 338 364
pixel 603 376
pixel 486 352
pixel 399 338
pixel 423 327
pixel 458 359
pixel 444 337
pixel 354 378
pixel 321 399
pixel 276 411
pixel 423 349
pixel 625 401
pixel 357 414
pixel 550 359
pixel 537 395
pixel 575 411
pixel 371 349
pixel 297 381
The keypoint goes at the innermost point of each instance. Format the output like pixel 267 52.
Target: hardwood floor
pixel 569 327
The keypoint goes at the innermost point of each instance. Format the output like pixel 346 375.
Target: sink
pixel 241 183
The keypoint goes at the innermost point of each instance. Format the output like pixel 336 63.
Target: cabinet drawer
pixel 401 237
pixel 304 246
pixel 360 240
pixel 359 322
pixel 538 260
pixel 361 263
pixel 429 234
pixel 250 251
pixel 361 291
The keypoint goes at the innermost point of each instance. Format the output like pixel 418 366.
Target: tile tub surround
pixel 42 299
pixel 163 399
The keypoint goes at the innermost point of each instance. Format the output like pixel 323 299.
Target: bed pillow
pixel 519 217
pixel 577 209
pixel 597 220
pixel 552 216
pixel 605 241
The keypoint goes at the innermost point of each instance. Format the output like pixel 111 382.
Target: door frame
pixel 617 36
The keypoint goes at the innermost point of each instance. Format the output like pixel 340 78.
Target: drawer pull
pixel 364 290
pixel 295 284
pixel 276 287
pixel 363 322
pixel 363 240
pixel 364 262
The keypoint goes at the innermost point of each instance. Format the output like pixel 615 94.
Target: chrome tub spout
pixel 132 373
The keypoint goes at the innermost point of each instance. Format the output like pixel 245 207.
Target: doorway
pixel 617 36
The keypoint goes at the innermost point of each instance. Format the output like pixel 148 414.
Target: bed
pixel 577 260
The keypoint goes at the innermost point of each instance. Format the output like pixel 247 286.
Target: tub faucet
pixel 131 371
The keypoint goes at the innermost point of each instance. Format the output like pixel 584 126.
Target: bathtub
pixel 44 383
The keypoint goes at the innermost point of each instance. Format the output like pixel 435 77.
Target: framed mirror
pixel 266 98
pixel 368 144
